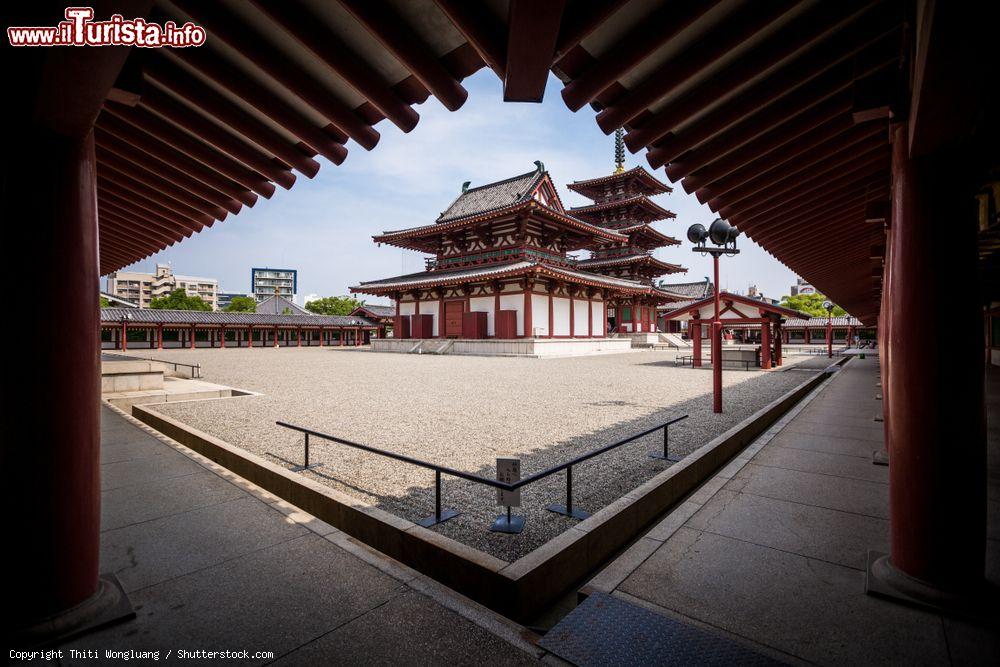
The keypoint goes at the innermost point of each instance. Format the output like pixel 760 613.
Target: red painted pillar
pixel 778 334
pixel 321 334
pixel 192 337
pixel 572 315
pixel 440 317
pixel 590 315
pixel 357 337
pixel 55 478
pixel 528 287
pixel 249 336
pixel 298 337
pixel 635 315
pixel 276 336
pixel 496 308
pixel 937 429
pixel 159 336
pixel 222 341
pixel 552 319
pixel 765 345
pixel 694 330
pixel 124 335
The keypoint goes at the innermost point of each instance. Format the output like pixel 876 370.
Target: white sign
pixel 508 472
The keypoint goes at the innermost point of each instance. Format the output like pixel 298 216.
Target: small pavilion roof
pixel 278 304
pixel 694 291
pixel 636 201
pixel 374 310
pixel 653 185
pixel 440 278
pixel 726 297
pixel 146 316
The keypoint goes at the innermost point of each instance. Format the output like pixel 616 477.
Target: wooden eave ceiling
pixel 770 112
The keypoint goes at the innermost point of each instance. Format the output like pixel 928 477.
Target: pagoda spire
pixel 619 150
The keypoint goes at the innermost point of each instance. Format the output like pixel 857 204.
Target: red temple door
pixel 453 318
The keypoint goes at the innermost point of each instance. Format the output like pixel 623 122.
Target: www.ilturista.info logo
pixel 79 29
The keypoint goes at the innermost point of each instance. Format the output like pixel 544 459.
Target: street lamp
pixel 723 237
pixel 829 328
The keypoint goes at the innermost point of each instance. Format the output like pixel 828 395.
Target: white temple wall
pixel 514 302
pixel 485 304
pixel 560 316
pixel 600 323
pixel 539 315
pixel 580 317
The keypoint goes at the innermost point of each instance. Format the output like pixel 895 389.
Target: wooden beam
pixel 532 30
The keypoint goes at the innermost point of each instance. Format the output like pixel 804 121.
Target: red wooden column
pixel 765 345
pixel 124 335
pixel 440 317
pixel 694 330
pixel 276 336
pixel 357 337
pixel 159 336
pixel 55 478
pixel 552 320
pixel 806 338
pixel 496 306
pixel 778 333
pixel 937 429
pixel 572 314
pixel 249 336
pixel 590 313
pixel 222 336
pixel 321 333
pixel 635 315
pixel 528 287
pixel 298 337
pixel 192 337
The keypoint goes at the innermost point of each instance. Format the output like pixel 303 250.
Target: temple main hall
pixel 503 266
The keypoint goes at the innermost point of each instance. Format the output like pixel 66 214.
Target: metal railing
pixel 441 515
pixel 195 368
pixel 688 360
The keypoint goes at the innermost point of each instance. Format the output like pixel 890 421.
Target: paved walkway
pixel 212 562
pixel 771 552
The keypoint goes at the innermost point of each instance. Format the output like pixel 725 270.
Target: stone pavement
pixel 212 562
pixel 771 552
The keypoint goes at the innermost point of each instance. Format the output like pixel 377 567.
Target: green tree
pixel 333 305
pixel 242 304
pixel 179 300
pixel 811 304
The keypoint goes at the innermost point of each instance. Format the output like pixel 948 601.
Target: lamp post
pixel 723 237
pixel 829 328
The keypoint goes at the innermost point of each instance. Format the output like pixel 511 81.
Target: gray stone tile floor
pixel 212 563
pixel 774 554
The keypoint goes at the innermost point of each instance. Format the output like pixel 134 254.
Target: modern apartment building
pixel 142 288
pixel 264 282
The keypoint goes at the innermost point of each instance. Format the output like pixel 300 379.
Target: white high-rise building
pixel 142 288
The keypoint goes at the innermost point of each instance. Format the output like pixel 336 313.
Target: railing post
pixel 567 509
pixel 440 515
pixel 305 465
pixel 665 456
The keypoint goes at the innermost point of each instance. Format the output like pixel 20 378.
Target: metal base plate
pixel 561 509
pixel 432 520
pixel 604 630
pixel 664 458
pixel 501 525
pixel 880 457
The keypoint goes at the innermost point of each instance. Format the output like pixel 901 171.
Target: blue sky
pixel 323 227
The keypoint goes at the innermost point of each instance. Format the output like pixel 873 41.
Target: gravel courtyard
pixel 463 412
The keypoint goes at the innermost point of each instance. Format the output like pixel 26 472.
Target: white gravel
pixel 463 412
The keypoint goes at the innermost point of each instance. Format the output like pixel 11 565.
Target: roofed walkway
pixel 212 562
pixel 772 551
